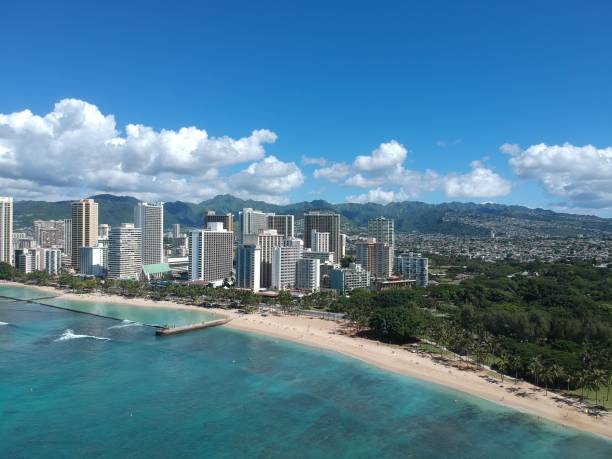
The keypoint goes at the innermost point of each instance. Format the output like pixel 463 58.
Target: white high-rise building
pixel 284 263
pixel 319 241
pixel 266 240
pixel 176 230
pixel 68 238
pixel 248 267
pixel 251 223
pixel 124 251
pixel 92 261
pixel 6 230
pixel 342 246
pixel 84 228
pixel 53 261
pixel 149 217
pixel 103 231
pixel 308 274
pixel 210 254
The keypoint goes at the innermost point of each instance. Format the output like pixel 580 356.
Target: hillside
pixel 448 218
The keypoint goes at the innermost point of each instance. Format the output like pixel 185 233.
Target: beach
pixel 334 336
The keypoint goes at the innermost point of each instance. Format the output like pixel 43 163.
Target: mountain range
pixel 452 218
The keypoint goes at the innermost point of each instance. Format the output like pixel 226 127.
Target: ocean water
pixel 76 385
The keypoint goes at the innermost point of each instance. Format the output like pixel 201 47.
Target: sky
pixel 354 101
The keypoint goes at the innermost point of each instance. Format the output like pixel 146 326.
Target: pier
pixel 165 331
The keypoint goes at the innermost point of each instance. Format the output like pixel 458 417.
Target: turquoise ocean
pixel 77 385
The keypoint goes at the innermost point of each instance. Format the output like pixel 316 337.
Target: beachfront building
pixel 53 261
pixel 283 224
pixel 26 260
pixel 266 240
pixel 284 261
pixel 308 274
pixel 248 267
pixel 210 254
pixel 124 253
pixel 92 261
pixel 323 222
pixel 413 266
pixel 227 219
pixel 84 228
pixel 347 279
pixel 375 257
pixel 149 217
pixel 6 230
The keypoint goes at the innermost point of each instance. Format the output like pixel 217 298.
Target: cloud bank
pixel 384 172
pixel 76 150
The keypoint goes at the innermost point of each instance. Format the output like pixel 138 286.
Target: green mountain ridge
pixel 453 218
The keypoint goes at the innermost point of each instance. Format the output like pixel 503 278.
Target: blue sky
pixel 448 82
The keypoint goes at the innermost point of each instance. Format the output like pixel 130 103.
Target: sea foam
pixel 3 323
pixel 126 323
pixel 69 334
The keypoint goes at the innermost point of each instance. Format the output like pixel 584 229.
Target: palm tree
pixel 515 363
pixel 503 364
pixel 536 368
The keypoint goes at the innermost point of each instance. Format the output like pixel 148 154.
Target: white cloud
pixel 379 196
pixel 310 160
pixel 386 156
pixel 480 182
pixel 268 180
pixel 582 176
pixel 384 169
pixel 333 173
pixel 77 150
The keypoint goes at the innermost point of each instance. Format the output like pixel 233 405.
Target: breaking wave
pixel 3 323
pixel 126 323
pixel 70 334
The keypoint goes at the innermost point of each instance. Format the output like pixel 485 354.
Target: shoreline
pixel 324 334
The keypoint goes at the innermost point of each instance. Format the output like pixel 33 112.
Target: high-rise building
pixel 413 266
pixel 366 254
pixel 347 279
pixel 176 230
pixel 375 257
pixel 53 261
pixel 226 219
pixel 342 246
pixel 103 231
pixel 48 233
pixel 149 217
pixel 266 240
pixel 84 228
pixel 6 230
pixel 321 256
pixel 284 262
pixel 92 261
pixel 124 251
pixel 252 222
pixel 382 229
pixel 210 254
pixel 248 267
pixel 26 260
pixel 308 274
pixel 324 222
pixel 68 238
pixel 283 224
pixel 319 241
